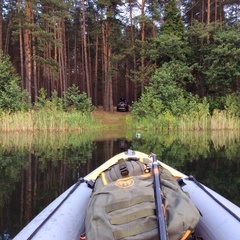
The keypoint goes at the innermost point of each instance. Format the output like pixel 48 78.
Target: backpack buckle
pixel 123 167
pixel 147 169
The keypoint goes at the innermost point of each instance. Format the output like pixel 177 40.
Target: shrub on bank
pixel 166 104
pixel 73 100
pixel 191 113
pixel 12 98
pixel 73 112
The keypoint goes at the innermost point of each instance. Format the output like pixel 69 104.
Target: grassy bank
pixel 60 121
pixel 47 121
pixel 219 120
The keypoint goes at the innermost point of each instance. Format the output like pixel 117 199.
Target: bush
pixel 78 101
pixel 147 105
pixel 50 103
pixel 232 104
pixel 12 98
pixel 73 100
pixel 215 102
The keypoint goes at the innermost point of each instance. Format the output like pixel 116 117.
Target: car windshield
pixel 122 100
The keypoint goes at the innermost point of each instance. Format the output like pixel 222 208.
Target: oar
pixel 162 231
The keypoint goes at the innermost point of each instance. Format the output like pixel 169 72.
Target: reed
pixel 196 121
pixel 224 121
pixel 46 120
pixel 44 141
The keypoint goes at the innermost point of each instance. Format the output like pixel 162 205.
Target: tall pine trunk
pixel 21 46
pixel 142 39
pixel 28 48
pixel 1 25
pixel 86 67
pixel 134 55
pixel 95 81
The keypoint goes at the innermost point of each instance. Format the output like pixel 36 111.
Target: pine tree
pixel 12 98
pixel 173 24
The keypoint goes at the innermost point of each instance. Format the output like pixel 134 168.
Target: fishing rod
pixel 162 230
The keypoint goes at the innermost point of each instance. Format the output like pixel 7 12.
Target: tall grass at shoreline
pixel 59 121
pixel 224 120
pixel 219 120
pixel 46 120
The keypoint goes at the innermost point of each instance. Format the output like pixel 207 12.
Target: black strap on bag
pixel 123 167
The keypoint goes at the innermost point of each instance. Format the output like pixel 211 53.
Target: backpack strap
pixel 119 234
pixel 147 212
pixel 123 167
pixel 104 180
pixel 126 204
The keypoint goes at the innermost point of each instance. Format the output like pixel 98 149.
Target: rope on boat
pixel 80 180
pixel 214 198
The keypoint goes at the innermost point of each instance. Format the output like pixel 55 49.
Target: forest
pixel 109 49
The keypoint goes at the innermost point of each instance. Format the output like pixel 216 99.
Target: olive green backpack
pixel 122 205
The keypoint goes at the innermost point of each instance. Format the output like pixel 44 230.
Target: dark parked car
pixel 122 105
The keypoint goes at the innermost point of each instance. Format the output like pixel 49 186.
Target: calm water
pixel 35 169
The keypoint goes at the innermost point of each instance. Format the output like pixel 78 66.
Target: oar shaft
pixel 162 232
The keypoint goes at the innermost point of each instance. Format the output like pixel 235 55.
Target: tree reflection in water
pixel 35 169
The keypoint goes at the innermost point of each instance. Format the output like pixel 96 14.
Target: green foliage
pixel 72 99
pixel 77 100
pixel 166 121
pixel 166 92
pixel 215 102
pixel 232 104
pixel 52 103
pixel 173 24
pixel 215 55
pixel 167 105
pixel 42 98
pixel 147 105
pixel 12 98
pixel 169 47
pixel 10 168
pixel 190 113
pixel 223 68
pixel 167 85
pixel 200 33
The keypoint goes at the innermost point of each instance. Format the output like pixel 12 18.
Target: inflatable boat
pixel 64 218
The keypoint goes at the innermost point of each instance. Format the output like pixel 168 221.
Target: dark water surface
pixel 35 169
